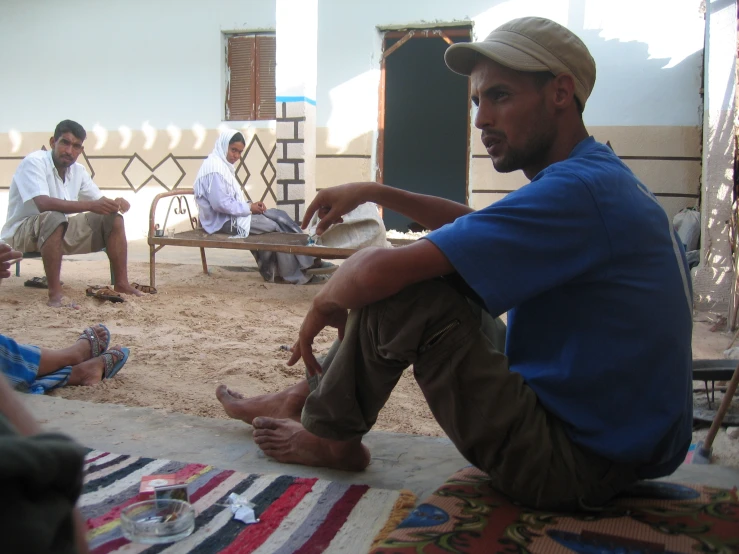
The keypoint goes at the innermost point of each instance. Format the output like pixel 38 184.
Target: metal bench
pixel 291 243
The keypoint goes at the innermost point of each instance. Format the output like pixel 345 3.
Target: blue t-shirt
pixel 599 301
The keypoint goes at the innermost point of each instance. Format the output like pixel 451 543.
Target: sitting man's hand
pixel 333 203
pixel 104 206
pixel 8 257
pixel 123 205
pixel 319 316
pixel 258 208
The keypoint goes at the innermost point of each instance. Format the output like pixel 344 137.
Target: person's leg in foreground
pixel 492 417
pixel 39 513
pixel 84 361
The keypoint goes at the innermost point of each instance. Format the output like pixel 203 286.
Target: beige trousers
pixel 85 232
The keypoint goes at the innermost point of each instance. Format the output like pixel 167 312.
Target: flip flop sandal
pixel 146 289
pixel 38 283
pixel 324 269
pixel 96 345
pixel 114 360
pixel 104 293
pixel 318 279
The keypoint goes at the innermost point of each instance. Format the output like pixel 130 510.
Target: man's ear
pixel 564 90
pixel 52 142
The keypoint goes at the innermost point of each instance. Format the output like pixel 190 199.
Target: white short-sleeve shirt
pixel 37 176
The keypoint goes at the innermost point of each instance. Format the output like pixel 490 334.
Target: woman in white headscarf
pixel 223 208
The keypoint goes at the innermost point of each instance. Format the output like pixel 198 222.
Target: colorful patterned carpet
pixel 296 514
pixel 466 516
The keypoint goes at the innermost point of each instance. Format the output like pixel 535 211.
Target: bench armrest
pixel 178 196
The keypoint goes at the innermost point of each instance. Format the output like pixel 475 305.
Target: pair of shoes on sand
pixel 101 292
pixel 113 358
pixel 104 292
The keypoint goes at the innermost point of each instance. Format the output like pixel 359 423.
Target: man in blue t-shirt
pixel 594 389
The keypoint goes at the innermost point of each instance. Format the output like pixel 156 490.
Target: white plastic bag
pixel 687 223
pixel 362 227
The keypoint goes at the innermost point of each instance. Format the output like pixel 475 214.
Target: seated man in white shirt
pixel 47 188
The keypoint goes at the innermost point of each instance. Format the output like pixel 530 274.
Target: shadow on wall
pixel 631 88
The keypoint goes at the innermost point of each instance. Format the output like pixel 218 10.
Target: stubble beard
pixel 58 162
pixel 534 152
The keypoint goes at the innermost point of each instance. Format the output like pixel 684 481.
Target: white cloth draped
pixel 217 162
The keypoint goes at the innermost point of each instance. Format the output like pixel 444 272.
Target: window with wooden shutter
pixel 250 90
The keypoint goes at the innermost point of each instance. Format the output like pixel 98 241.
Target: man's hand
pixel 123 205
pixel 334 202
pixel 8 257
pixel 104 206
pixel 258 208
pixel 315 321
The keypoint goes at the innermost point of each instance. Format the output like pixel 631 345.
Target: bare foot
pixel 58 302
pixel 287 441
pixel 284 404
pixel 89 372
pixel 127 289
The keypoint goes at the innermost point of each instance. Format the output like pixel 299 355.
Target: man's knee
pixel 112 222
pixel 51 226
pixel 103 226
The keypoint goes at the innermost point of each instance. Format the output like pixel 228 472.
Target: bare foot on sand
pixel 284 404
pixel 287 441
pixel 57 301
pixel 127 289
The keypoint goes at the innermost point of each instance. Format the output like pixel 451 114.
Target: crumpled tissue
pixel 242 509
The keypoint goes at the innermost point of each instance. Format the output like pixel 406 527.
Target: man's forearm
pixel 430 211
pixel 14 410
pixel 373 274
pixel 358 282
pixel 49 204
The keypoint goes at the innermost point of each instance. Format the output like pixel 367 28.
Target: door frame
pixel 445 33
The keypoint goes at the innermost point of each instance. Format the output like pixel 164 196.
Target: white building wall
pixel 118 62
pixel 646 100
pixel 145 78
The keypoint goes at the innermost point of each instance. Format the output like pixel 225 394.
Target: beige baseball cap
pixel 530 44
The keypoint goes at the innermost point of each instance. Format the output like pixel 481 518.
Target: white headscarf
pixel 217 162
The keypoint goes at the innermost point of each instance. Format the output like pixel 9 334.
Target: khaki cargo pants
pixel 489 413
pixel 85 232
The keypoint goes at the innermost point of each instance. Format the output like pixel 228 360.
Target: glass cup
pixel 170 232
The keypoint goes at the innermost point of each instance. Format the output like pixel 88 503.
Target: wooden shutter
pixel 241 92
pixel 265 77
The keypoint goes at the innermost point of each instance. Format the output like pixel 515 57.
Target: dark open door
pixel 424 118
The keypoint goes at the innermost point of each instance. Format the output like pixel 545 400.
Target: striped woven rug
pixel 296 514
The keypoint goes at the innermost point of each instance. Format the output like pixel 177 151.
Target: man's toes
pixel 265 423
pixel 235 394
pixel 222 393
pixel 263 434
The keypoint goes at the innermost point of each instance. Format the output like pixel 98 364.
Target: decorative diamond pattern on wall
pixel 256 161
pixel 138 173
pixel 255 172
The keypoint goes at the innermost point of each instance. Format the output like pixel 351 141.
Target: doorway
pixel 424 122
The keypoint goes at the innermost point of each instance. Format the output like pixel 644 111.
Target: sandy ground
pixel 200 331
